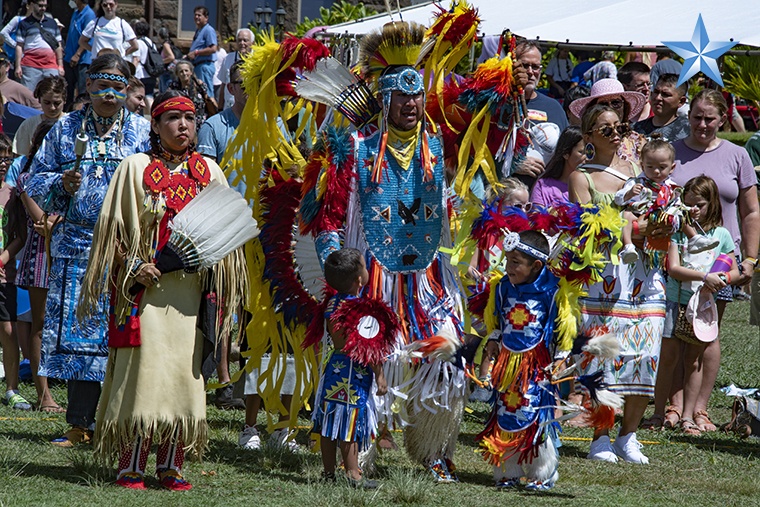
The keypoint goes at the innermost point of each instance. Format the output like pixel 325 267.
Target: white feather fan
pixel 211 226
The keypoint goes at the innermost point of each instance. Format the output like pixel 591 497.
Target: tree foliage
pixel 340 12
pixel 741 76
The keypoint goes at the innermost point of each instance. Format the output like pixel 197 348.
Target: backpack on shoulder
pixel 154 64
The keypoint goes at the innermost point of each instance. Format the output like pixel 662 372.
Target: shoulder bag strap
pixel 609 170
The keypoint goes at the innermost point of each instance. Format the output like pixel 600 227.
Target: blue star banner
pixel 700 54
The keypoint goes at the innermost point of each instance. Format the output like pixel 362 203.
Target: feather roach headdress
pixel 395 45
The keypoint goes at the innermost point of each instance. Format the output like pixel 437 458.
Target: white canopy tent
pixel 641 23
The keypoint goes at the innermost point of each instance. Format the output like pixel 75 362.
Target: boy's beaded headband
pixel 512 242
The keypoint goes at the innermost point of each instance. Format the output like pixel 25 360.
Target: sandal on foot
pixel 672 416
pixel 702 420
pixel 51 409
pixel 16 401
pixel 654 423
pixel 173 480
pixel 689 427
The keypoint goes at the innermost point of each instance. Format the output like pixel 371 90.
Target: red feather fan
pixel 370 328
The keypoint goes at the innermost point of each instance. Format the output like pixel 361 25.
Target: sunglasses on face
pixel 6 160
pixel 614 103
pixel 525 207
pixel 622 129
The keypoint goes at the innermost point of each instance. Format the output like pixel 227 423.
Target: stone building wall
pixel 165 13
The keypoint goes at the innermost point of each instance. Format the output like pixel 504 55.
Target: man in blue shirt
pixel 216 132
pixel 76 73
pixel 203 49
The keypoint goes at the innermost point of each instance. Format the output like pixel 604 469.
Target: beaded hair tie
pixel 109 76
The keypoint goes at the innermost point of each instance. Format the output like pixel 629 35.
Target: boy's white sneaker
pixel 701 243
pixel 628 254
pixel 628 448
pixel 249 438
pixel 601 450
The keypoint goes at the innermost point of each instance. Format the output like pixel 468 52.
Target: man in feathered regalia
pixel 381 189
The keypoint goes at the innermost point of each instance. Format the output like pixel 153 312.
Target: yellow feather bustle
pixel 259 137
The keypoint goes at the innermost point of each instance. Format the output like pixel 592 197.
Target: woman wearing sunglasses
pixel 627 105
pixel 630 301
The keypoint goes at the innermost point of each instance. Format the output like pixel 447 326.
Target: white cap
pixel 544 137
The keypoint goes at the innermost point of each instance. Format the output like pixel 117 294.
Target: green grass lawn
pixel 711 470
pixel 738 138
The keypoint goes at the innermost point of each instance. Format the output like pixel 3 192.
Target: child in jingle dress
pixel 520 440
pixel 362 332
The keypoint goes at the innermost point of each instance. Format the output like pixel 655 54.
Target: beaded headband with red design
pixel 172 104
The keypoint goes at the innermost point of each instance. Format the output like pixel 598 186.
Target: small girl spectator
pixel 690 273
pixel 551 187
pixel 32 272
pixel 11 241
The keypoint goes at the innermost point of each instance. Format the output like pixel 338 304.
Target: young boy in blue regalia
pixel 360 332
pixel 520 440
